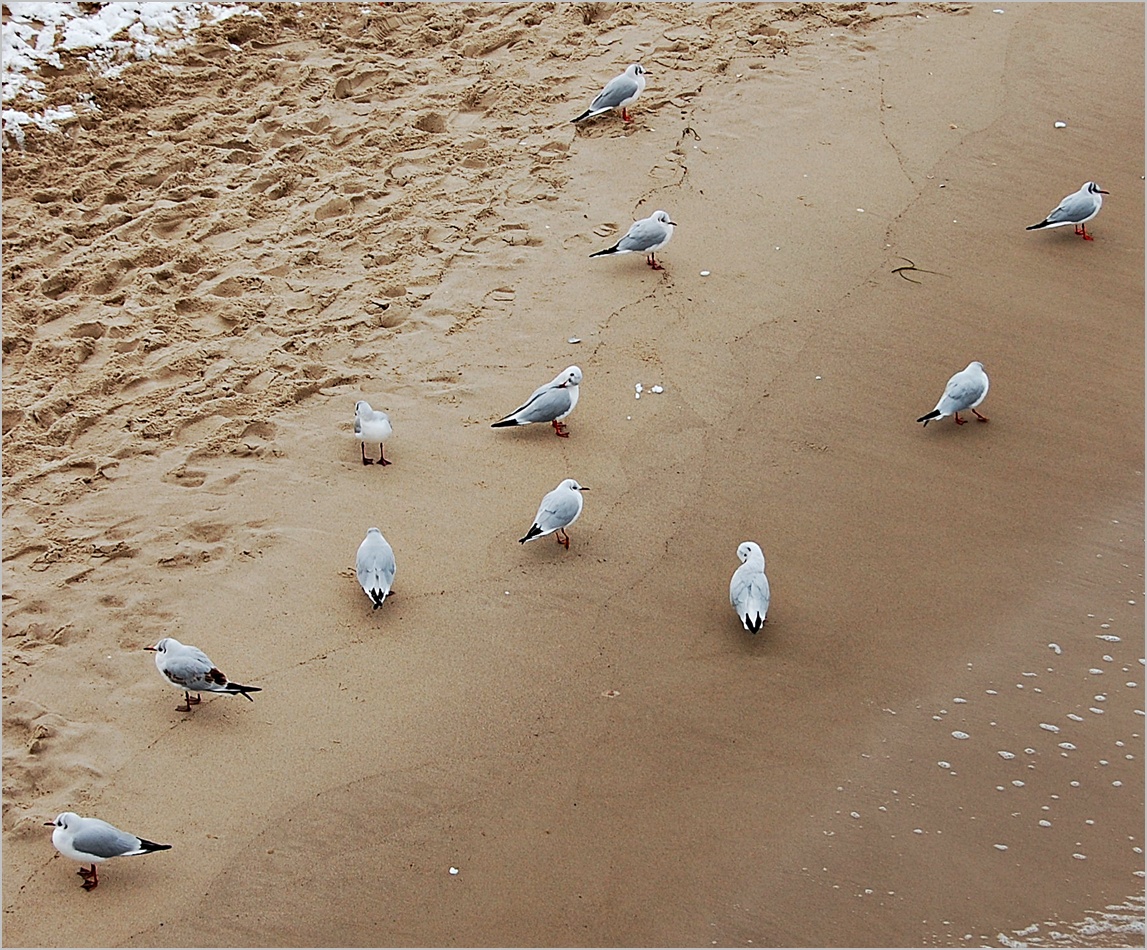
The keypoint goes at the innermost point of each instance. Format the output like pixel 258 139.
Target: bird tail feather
pixel 532 533
pixel 934 414
pixel 608 250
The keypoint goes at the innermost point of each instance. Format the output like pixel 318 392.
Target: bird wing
pixel 963 391
pixel 621 89
pixel 103 840
pixel 188 668
pixel 647 234
pixel 749 592
pixel 1073 208
pixel 559 509
pixel 545 405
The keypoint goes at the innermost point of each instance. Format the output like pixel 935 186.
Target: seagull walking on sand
pixel 619 93
pixel 375 566
pixel 749 587
pixel 965 390
pixel 1077 208
pixel 558 510
pixel 91 841
pixel 190 669
pixel 647 235
pixel 550 403
pixel 371 425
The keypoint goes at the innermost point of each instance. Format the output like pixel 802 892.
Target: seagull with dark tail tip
pixel 965 390
pixel 558 510
pixel 645 236
pixel 91 841
pixel 619 93
pixel 1077 208
pixel 190 669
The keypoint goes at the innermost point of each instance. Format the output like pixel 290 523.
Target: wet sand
pixel 589 737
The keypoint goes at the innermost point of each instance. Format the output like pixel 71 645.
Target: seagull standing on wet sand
pixel 93 841
pixel 1077 208
pixel 749 587
pixel 647 235
pixel 375 566
pixel 965 390
pixel 371 425
pixel 558 510
pixel 189 668
pixel 618 93
pixel 551 403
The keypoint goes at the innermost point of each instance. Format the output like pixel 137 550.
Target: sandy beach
pixel 936 739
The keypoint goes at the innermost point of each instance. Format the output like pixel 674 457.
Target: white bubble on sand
pixel 1017 783
pixel 1006 755
pixel 1000 847
pixel 1044 823
pixel 1109 637
pixel 1074 717
pixel 1056 648
pixel 1049 727
pixel 944 765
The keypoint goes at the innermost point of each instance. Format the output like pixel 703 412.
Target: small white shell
pixel 1061 125
pixel 657 389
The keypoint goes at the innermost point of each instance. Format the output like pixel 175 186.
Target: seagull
pixel 189 668
pixel 647 235
pixel 618 93
pixel 965 390
pixel 749 588
pixel 558 510
pixel 95 841
pixel 371 425
pixel 375 566
pixel 1077 209
pixel 551 403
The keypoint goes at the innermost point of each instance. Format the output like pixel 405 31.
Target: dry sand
pixel 389 202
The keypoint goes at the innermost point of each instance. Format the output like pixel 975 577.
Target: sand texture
pixel 389 202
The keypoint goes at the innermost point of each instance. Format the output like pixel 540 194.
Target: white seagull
pixel 618 93
pixel 1077 208
pixel 551 403
pixel 188 668
pixel 371 425
pixel 965 390
pixel 558 510
pixel 647 235
pixel 749 587
pixel 375 566
pixel 89 840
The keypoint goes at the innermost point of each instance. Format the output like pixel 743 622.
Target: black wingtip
pixel 584 115
pixel 934 414
pixel 532 533
pixel 608 250
pixel 1035 227
pixel 504 422
pixel 152 846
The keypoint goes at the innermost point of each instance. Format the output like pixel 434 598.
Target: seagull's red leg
pixel 382 460
pixel 365 460
pixel 1079 230
pixel 626 117
pixel 563 538
pixel 652 262
pixel 186 707
pixel 90 883
pixel 560 429
pixel 979 417
pixel 194 702
pixel 1086 236
pixel 960 421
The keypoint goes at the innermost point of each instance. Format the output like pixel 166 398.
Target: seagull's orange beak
pixel 153 649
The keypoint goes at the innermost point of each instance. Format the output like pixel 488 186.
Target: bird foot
pixel 980 418
pixel 625 116
pixel 384 461
pixel 960 421
pixel 1088 237
pixel 194 702
pixel 85 873
pixel 183 708
pixel 368 461
pixel 90 884
pixel 653 263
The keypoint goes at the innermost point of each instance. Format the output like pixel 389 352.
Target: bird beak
pixel 1102 192
pixel 49 823
pixel 583 488
pixel 153 649
pixel 674 223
